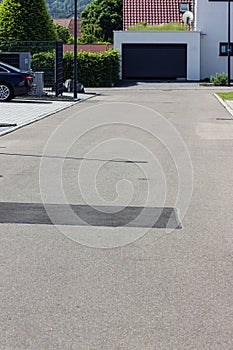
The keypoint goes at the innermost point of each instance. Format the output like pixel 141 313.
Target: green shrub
pixel 219 79
pixel 62 33
pixel 42 59
pixel 44 62
pixel 164 26
pixel 94 69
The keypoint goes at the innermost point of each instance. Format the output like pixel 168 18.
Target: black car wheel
pixel 6 93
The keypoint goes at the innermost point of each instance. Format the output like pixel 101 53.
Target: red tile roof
pixel 64 22
pixel 69 23
pixel 95 48
pixel 152 11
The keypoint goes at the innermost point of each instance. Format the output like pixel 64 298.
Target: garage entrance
pixel 154 61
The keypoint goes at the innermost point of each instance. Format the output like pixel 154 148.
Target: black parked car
pixel 14 82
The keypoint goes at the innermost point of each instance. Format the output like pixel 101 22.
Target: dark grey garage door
pixel 154 61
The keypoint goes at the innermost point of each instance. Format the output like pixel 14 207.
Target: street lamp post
pixel 75 49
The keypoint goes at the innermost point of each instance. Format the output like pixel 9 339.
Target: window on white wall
pixel 223 49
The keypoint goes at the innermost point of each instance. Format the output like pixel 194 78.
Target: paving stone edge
pixel 43 116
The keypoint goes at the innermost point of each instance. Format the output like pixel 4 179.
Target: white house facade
pixel 211 19
pixel 161 54
pixel 178 55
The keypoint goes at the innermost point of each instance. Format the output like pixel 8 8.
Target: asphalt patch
pixel 84 215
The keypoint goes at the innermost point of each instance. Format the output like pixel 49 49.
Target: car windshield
pixel 9 68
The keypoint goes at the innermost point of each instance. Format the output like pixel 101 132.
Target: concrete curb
pixel 66 105
pixel 224 104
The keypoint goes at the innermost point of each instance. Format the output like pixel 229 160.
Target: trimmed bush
pixel 44 62
pixel 220 79
pixel 94 69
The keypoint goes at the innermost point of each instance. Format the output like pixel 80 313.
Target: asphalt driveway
pixel 119 280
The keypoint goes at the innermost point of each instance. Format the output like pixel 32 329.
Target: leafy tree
pixel 25 20
pixel 91 33
pixel 107 14
pixel 63 33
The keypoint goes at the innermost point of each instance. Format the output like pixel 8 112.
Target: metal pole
pixel 194 15
pixel 75 49
pixel 229 45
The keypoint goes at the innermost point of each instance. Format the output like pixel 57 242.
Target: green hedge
pixel 94 69
pixel 44 62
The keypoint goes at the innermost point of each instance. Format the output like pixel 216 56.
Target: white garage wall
pixel 211 20
pixel 192 39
